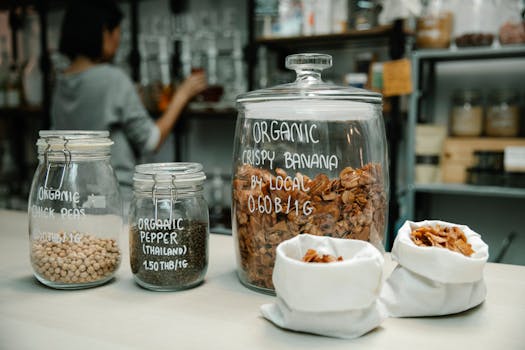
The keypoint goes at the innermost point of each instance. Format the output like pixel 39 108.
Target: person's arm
pixel 192 86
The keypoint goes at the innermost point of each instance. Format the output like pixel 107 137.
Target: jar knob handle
pixel 308 66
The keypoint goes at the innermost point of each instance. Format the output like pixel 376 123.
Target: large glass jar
pixel 309 157
pixel 169 226
pixel 75 210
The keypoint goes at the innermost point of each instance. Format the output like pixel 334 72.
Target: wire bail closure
pixel 173 194
pixel 67 161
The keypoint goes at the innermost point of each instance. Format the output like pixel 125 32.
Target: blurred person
pixel 93 94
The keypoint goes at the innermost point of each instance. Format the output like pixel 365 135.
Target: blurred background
pixel 454 116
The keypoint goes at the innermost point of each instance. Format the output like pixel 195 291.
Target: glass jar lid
pixel 472 96
pixel 81 141
pixel 509 96
pixel 168 175
pixel 309 84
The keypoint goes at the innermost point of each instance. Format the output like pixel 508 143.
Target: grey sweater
pixel 104 98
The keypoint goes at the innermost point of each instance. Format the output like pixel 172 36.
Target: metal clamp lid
pixel 173 194
pixel 66 165
pixel 163 178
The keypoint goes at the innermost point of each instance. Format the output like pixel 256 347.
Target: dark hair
pixel 83 26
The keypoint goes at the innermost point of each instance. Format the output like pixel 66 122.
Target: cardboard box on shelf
pixel 458 154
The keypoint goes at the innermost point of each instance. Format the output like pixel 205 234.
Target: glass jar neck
pixel 72 156
pixel 308 76
pixel 72 146
pixel 148 191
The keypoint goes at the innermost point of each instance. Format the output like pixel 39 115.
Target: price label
pixel 397 79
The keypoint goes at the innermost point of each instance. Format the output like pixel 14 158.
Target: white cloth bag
pixel 433 281
pixel 337 299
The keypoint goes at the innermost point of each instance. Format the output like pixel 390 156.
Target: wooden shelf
pixel 328 39
pixel 23 111
pixel 457 54
pixel 472 190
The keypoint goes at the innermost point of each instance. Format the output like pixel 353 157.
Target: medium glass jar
pixel 434 26
pixel 512 23
pixel 309 157
pixel 466 113
pixel 75 210
pixel 169 226
pixel 503 114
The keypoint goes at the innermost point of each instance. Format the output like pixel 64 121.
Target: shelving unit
pixel 423 88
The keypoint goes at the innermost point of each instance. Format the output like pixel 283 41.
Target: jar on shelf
pixel 512 28
pixel 169 226
pixel 75 210
pixel 364 14
pixel 434 26
pixel 466 113
pixel 503 114
pixel 309 157
pixel 475 23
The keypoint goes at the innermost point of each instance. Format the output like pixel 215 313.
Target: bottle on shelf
pixel 31 79
pixel 467 113
pixel 13 87
pixel 4 71
pixel 165 77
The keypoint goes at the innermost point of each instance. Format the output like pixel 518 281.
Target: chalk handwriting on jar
pixel 258 157
pixel 42 212
pixel 152 224
pixel 58 195
pixel 284 131
pixel 279 182
pixel 158 237
pixel 169 265
pixel 266 204
pixel 163 251
pixel 60 237
pixel 310 161
pixel 72 213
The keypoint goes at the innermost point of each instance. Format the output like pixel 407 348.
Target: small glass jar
pixel 169 226
pixel 467 113
pixel 75 210
pixel 503 114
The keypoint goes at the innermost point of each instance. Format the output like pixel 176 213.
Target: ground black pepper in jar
pixel 169 226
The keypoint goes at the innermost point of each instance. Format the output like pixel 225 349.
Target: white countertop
pixel 220 314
